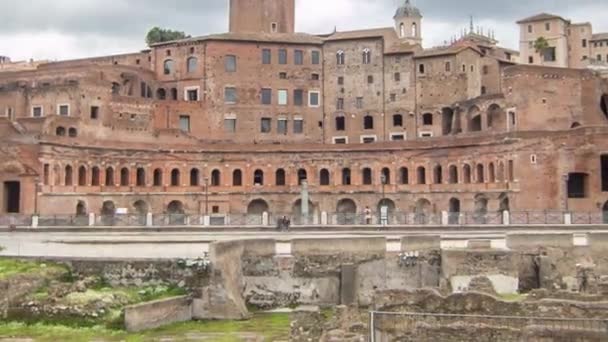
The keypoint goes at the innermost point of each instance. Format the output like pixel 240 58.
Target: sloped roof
pixel 540 17
pixel 600 36
pixel 443 51
pixel 384 32
pixel 292 38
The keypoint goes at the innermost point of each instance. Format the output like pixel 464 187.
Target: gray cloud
pixel 124 23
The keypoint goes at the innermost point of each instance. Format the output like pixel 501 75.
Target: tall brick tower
pixel 267 16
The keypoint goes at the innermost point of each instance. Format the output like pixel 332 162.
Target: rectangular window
pixel 282 56
pixel 230 63
pixel 584 43
pixel 340 123
pixel 531 60
pixel 393 97
pixel 298 97
pixel 397 77
pixel 266 56
pixel 266 125
pixel 368 139
pixel 529 28
pixel 448 66
pixel 283 75
pixel 230 96
pixel 397 137
pixel 398 120
pixel 315 57
pixel 94 112
pixel 359 103
pixel 298 57
pixel 340 80
pixel 370 79
pixel 340 140
pixel 547 26
pixel 577 185
pixel 314 99
pixel 340 104
pixel 486 70
pixel 37 111
pixel 314 77
pixel 549 54
pixel 184 123
pixel 282 126
pixel 298 126
pixel 191 94
pixel 64 110
pixel 230 125
pixel 282 97
pixel 266 96
pixel 604 172
pixel 426 134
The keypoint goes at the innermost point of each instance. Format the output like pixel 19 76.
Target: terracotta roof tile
pixel 540 17
pixel 292 38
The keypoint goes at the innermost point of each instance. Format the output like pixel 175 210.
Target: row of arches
pixel 61 131
pixel 454 174
pixel 476 119
pixel 169 65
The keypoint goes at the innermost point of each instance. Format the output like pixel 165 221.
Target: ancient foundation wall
pixel 158 313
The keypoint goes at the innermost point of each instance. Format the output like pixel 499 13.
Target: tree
pixel 159 35
pixel 540 45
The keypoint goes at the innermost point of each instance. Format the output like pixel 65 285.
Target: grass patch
pixel 515 297
pixel 13 267
pixel 271 326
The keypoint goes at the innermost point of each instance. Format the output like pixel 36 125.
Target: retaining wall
pixel 159 313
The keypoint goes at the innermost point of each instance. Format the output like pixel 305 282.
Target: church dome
pixel 408 10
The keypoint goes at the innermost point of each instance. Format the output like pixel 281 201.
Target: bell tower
pixel 408 23
pixel 262 16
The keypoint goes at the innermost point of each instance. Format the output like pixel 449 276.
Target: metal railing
pixel 426 323
pixel 394 219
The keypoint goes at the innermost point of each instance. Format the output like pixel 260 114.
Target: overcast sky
pixel 63 29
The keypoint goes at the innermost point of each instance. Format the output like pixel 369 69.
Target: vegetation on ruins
pixel 159 35
pixel 540 45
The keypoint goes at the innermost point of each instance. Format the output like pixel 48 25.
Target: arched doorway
pixel 386 211
pixel 256 210
pixel 423 211
pixel 82 215
pixel 141 210
pixel 454 212
pixel 108 213
pixel 481 209
pixel 346 211
pixel 297 215
pixel 176 213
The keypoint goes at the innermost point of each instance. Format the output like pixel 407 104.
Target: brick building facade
pixel 238 122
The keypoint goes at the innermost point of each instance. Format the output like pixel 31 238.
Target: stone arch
pixel 168 66
pixel 390 211
pixel 481 209
pixel 466 174
pixel 575 125
pixel 175 208
pixel 454 211
pixel 480 173
pixel 474 116
pixel 302 176
pixel 95 176
pixel 324 177
pixel 421 173
pixel 141 208
pixel 81 209
pixel 82 176
pixel 108 213
pixel 60 131
pixel 297 214
pixel 495 114
pixel 124 177
pixel 140 177
pixel 423 211
pixel 346 209
pixel 504 203
pixel 69 176
pixel 237 178
pixel 258 177
pixel 404 176
pixel 158 177
pixel 175 177
pixel 72 132
pixel 257 207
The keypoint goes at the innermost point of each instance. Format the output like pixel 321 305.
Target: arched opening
pixel 605 213
pixel 466 174
pixel 258 178
pixel 346 211
pixel 324 177
pixel 575 125
pixel 404 176
pixel 491 173
pixel 340 57
pixel 454 211
pixel 414 30
pixel 447 120
pixel 385 177
pixel 453 179
pixel 481 209
pixel 604 104
pixel 192 64
pixel 302 176
pixel 72 132
pixel 158 177
pixel 161 94
pixel 480 174
pixel 367 176
pixel 368 122
pixel 346 177
pixel 108 213
pixel 367 56
pixel 168 66
pixel 257 208
pixel 500 177
pixel 195 178
pixel 504 204
pixel 386 210
pixel 495 114
pixel 280 178
pixel 298 214
pixel 141 177
pixel 438 175
pixel 124 177
pixel 175 177
pixel 81 209
pixel 421 175
pixel 60 131
pixel 474 119
pixel 174 94
pixel 141 209
pixel 423 211
pixel 110 177
pixel 176 213
pixel 427 119
pixel 402 30
pixel 82 176
pixel 69 177
pixel 216 178
pixel 95 179
pixel 237 178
